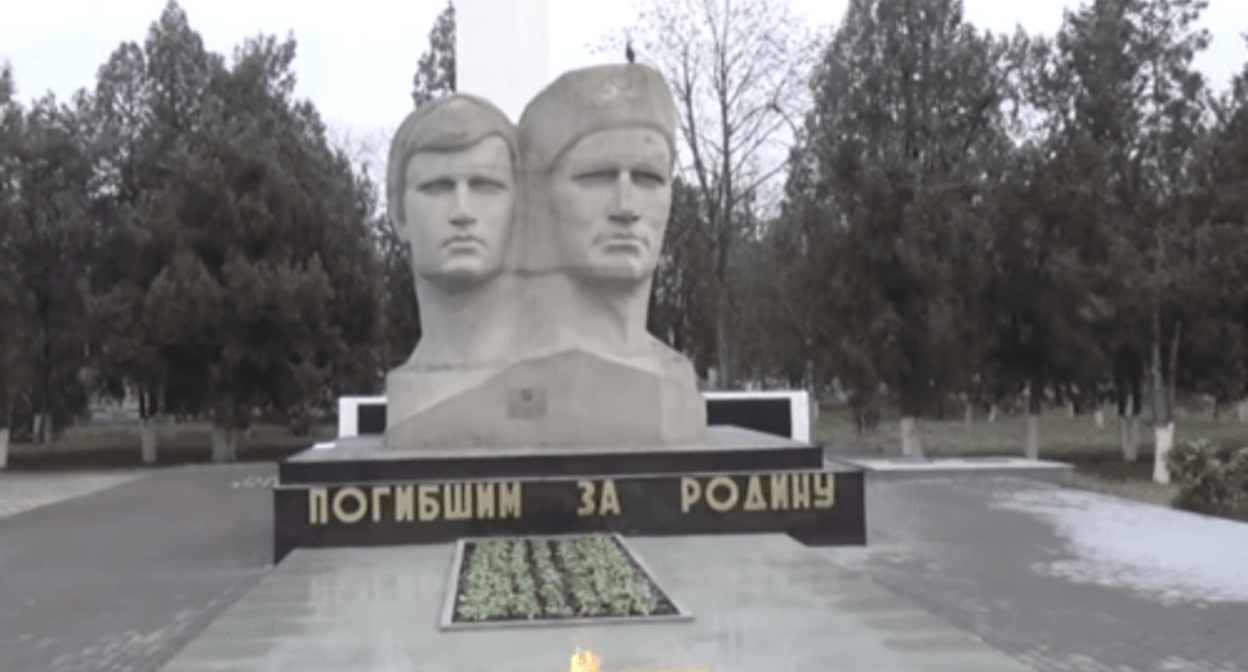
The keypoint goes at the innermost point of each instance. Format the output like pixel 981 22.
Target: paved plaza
pixel 1063 579
pixel 122 578
pixel 22 491
pixel 119 579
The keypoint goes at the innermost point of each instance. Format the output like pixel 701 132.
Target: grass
pixel 1094 452
pixel 1060 435
pixel 105 444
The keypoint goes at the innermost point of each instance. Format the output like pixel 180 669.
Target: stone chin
pixel 619 272
pixel 460 278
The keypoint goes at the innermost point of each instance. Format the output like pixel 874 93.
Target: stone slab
pixel 762 602
pixel 816 507
pixel 906 468
pixel 364 459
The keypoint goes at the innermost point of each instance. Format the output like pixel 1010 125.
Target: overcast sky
pixel 356 59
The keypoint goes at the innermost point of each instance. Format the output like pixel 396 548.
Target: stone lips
pixel 569 398
pixel 644 504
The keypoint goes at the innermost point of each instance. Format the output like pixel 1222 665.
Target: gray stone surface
pixel 764 603
pixel 718 438
pixel 22 491
pixel 119 579
pixel 1060 578
pixel 909 468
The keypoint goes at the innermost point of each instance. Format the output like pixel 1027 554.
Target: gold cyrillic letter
pixel 610 501
pixel 361 505
pixel 587 498
pixel 690 493
pixel 379 491
pixel 485 500
pixel 318 506
pixel 825 485
pixel 733 493
pixel 457 501
pixel 427 496
pixel 754 496
pixel 509 500
pixel 405 503
pixel 779 492
pixel 801 491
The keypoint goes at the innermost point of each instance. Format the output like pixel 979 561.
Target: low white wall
pixel 799 409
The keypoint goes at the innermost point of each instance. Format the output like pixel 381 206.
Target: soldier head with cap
pixel 451 189
pixel 598 149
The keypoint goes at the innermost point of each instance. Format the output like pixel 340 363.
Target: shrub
pixel 1212 479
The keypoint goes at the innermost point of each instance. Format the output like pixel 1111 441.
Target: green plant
pixel 617 583
pixel 552 587
pixel 1213 479
pixel 525 603
pixel 489 591
pixel 521 580
pixel 580 585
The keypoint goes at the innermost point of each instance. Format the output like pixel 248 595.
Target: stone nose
pixel 624 212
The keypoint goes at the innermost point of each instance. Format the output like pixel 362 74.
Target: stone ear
pixel 394 213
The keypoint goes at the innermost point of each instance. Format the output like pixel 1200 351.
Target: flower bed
pixel 552 580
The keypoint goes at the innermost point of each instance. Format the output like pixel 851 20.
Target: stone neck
pixel 605 316
pixel 464 326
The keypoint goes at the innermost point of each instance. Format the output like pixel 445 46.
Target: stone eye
pixel 648 178
pixel 487 185
pixel 597 176
pixel 436 186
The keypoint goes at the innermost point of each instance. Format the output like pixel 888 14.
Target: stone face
pixel 534 250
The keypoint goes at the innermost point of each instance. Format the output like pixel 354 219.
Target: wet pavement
pixel 123 577
pixel 1064 579
pixel 120 579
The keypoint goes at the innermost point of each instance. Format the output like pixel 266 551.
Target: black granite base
pixel 816 507
pixel 361 493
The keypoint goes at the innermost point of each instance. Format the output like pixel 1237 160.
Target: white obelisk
pixel 501 51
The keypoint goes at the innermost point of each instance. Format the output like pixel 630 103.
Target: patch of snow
pixel 1171 555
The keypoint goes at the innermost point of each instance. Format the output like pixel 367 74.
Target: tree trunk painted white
pixel 1100 418
pixel 1243 411
pixel 220 444
pixel 1033 436
pixel 1071 410
pixel 1165 441
pixel 911 446
pixel 42 429
pixel 4 447
pixel 970 415
pixel 148 440
pixel 992 414
pixel 814 417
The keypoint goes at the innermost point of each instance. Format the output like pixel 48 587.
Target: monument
pixel 551 348
pixel 536 405
pixel 536 402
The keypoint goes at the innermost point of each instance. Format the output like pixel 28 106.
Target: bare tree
pixel 739 71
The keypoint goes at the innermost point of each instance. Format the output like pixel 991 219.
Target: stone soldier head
pixel 598 149
pixel 451 189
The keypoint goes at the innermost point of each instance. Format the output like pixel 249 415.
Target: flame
pixel 584 661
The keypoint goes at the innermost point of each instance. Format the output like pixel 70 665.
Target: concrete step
pixel 906 468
